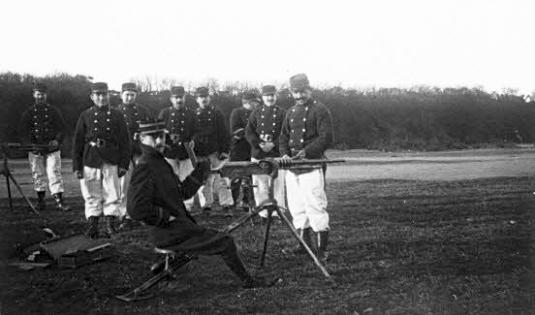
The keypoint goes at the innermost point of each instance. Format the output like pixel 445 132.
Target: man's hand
pixel 191 144
pixel 122 171
pixel 79 174
pixel 53 144
pixel 223 156
pixel 286 157
pixel 266 146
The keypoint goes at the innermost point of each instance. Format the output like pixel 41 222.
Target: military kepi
pixel 129 86
pixel 299 82
pixel 99 87
pixel 178 91
pixel 268 89
pixel 41 87
pixel 150 127
pixel 202 91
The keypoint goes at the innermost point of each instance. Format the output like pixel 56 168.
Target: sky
pixel 382 43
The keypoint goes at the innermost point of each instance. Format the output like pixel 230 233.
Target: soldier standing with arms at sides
pixel 262 132
pixel 212 142
pixel 240 149
pixel 181 123
pixel 43 125
pixel 101 155
pixel 307 132
pixel 132 113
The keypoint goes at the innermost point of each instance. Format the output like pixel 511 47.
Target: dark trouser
pixel 235 189
pixel 201 241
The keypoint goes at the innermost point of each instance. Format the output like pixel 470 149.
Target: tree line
pixel 418 118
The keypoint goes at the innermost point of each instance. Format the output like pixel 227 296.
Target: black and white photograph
pixel 267 157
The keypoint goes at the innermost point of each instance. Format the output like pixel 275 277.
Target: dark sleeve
pixel 222 134
pixel 78 144
pixel 324 129
pixel 125 143
pixel 191 184
pixel 284 137
pixel 59 126
pixel 250 131
pixel 24 128
pixel 139 202
pixel 234 120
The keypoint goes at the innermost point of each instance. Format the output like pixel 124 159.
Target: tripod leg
pixel 9 193
pixel 309 251
pixel 266 238
pixel 23 195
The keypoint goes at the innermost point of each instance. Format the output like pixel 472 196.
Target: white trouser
pixel 101 190
pixel 123 191
pixel 46 171
pixel 215 182
pixel 261 189
pixel 307 200
pixel 182 169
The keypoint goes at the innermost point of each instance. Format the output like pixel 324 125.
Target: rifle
pixel 269 166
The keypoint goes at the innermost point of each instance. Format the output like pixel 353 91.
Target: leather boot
pixel 323 239
pixel 41 204
pixel 110 228
pixel 92 230
pixel 60 204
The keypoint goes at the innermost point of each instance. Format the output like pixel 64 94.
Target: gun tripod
pixel 9 177
pixel 271 206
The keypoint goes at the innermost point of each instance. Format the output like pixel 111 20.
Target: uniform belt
pixel 97 143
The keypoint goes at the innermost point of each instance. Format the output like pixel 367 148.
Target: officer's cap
pixel 202 91
pixel 299 82
pixel 99 87
pixel 129 86
pixel 41 87
pixel 178 91
pixel 269 89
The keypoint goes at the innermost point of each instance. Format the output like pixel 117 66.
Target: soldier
pixel 155 197
pixel 101 155
pixel 306 133
pixel 132 113
pixel 240 150
pixel 262 132
pixel 42 125
pixel 212 142
pixel 181 124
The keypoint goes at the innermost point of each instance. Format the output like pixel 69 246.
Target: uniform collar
pixel 308 103
pixel 102 109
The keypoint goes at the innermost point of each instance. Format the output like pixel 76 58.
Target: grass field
pixel 397 247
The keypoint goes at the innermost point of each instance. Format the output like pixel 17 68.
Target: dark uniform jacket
pixel 156 193
pixel 307 127
pixel 240 150
pixel 40 124
pixel 101 136
pixel 133 113
pixel 212 134
pixel 182 125
pixel 265 124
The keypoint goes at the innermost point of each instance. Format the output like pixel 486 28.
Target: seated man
pixel 156 195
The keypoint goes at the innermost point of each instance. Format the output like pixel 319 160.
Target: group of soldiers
pixel 118 154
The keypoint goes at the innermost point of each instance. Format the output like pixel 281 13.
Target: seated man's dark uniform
pixel 156 194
